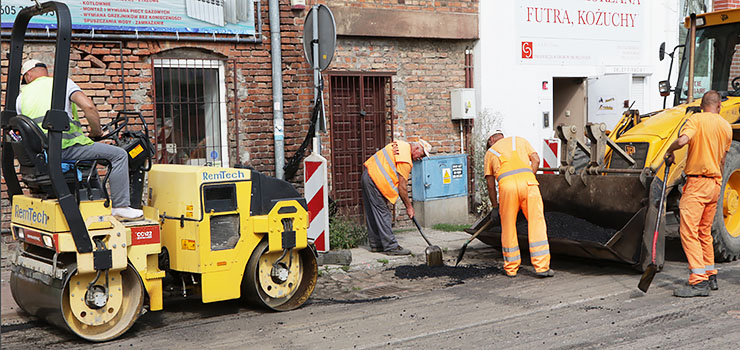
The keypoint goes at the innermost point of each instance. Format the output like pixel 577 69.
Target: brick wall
pixel 425 72
pixel 96 68
pixel 726 4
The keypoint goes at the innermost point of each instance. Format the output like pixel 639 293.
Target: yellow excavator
pixel 606 208
pixel 214 233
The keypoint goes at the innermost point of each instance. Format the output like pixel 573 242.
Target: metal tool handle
pixel 420 231
pixel 660 209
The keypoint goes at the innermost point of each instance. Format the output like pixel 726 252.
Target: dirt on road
pixel 587 305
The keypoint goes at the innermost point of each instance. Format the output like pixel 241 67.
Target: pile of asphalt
pixel 561 225
pixel 566 226
pixel 459 273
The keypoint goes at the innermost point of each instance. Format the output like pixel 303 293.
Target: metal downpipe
pixel 277 88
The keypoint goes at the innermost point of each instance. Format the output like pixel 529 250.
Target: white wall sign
pixel 578 32
pixel 606 96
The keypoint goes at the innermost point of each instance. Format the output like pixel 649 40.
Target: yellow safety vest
pixel 36 101
pixel 382 167
pixel 511 162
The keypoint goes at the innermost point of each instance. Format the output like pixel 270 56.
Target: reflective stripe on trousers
pixel 511 254
pixel 513 172
pixel 514 194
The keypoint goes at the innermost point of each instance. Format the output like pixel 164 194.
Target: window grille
pixel 190 112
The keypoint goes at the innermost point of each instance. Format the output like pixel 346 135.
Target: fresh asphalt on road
pixel 587 305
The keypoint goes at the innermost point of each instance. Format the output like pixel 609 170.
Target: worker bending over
pixel 512 162
pixel 709 137
pixel 35 100
pixel 385 177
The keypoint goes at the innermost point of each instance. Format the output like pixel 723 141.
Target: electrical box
pixel 438 177
pixel 463 104
pixel 439 185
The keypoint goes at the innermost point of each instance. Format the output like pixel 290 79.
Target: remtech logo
pixel 30 215
pixel 223 175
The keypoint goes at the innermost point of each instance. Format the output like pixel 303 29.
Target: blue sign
pixel 214 155
pixel 182 16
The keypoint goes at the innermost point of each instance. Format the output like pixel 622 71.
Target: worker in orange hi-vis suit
pixel 512 162
pixel 385 179
pixel 709 137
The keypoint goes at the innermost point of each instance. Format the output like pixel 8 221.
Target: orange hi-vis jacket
pixel 510 156
pixel 383 167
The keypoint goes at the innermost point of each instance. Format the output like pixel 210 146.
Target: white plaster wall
pixel 509 94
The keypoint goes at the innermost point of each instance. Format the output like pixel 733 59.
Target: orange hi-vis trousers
pixel 517 192
pixel 698 205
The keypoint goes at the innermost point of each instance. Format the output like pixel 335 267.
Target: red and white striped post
pixel 551 154
pixel 315 189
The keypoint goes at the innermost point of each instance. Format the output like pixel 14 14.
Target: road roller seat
pixel 30 143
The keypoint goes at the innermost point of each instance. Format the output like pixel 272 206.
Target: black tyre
pixel 726 227
pixel 260 289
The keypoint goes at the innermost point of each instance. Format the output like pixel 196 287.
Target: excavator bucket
pixel 601 219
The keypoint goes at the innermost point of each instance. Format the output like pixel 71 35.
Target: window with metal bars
pixel 190 113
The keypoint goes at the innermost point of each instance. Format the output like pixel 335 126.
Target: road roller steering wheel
pixel 111 130
pixel 736 85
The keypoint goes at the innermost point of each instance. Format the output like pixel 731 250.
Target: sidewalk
pixel 450 242
pixel 362 258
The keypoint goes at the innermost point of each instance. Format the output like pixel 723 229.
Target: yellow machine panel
pixel 176 190
pixel 208 227
pixel 46 214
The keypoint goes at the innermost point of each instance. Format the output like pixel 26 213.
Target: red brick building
pixel 726 4
pixel 209 100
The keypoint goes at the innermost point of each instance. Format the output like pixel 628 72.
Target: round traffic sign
pixel 326 35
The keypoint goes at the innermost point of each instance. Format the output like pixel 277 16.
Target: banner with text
pixel 581 32
pixel 183 16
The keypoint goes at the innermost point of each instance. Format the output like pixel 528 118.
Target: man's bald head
pixel 711 102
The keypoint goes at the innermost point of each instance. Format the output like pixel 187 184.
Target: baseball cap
pixel 31 64
pixel 426 146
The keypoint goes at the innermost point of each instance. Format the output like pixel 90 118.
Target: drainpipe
pixel 277 88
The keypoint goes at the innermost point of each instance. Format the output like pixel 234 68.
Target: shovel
pixel 433 252
pixel 652 269
pixel 465 246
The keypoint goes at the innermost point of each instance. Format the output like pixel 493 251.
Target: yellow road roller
pixel 219 233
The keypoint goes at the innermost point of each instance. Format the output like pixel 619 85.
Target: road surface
pixel 587 305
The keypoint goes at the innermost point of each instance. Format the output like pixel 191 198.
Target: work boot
pixel 543 274
pixel 700 289
pixel 376 249
pixel 512 275
pixel 397 251
pixel 713 282
pixel 128 213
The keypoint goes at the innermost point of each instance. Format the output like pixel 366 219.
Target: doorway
pixel 361 121
pixel 569 102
